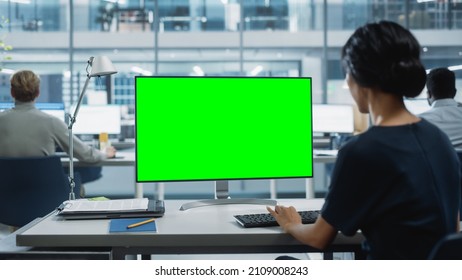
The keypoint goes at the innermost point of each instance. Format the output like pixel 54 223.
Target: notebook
pixel 120 225
pixel 111 209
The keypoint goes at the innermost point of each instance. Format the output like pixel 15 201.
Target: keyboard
pixel 121 145
pixel 266 220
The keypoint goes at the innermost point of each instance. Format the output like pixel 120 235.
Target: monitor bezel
pixel 221 179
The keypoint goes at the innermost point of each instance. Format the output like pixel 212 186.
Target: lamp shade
pixel 101 66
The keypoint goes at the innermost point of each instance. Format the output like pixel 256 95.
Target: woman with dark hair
pixel 399 181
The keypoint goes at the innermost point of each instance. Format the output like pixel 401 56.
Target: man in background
pixel 28 132
pixel 445 112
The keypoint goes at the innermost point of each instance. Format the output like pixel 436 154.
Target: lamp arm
pixel 72 119
pixel 79 101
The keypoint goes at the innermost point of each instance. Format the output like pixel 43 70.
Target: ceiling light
pixel 256 70
pixel 141 71
pixel 198 70
pixel 455 67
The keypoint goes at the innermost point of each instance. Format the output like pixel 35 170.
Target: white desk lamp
pixel 100 66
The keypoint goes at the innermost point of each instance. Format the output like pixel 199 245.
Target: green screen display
pixel 222 128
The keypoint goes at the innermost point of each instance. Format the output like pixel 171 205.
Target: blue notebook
pixel 120 225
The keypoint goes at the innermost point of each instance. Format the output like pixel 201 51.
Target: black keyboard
pixel 266 220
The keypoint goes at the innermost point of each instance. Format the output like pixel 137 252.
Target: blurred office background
pixel 287 38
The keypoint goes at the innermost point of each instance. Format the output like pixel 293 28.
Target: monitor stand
pixel 222 197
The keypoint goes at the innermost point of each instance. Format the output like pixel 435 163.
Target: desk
pixel 9 250
pixel 202 230
pixel 122 159
pixel 127 158
pixel 309 185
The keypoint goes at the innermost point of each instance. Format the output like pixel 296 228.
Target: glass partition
pixel 214 37
pixel 285 38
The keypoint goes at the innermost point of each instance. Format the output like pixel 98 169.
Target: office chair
pixel 31 187
pixel 448 248
pixel 459 154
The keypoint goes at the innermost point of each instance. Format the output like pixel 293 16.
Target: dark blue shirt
pixel 399 185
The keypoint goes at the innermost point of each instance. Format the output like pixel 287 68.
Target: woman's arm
pixel 318 235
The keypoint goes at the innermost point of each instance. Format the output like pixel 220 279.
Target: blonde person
pixel 27 132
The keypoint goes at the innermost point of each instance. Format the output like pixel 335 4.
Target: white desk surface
pixel 202 228
pixel 124 158
pixel 127 158
pixel 324 158
pixel 121 159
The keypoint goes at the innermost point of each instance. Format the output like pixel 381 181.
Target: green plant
pixel 4 48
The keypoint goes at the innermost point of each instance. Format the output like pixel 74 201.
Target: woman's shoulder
pixel 429 128
pixel 367 144
pixel 357 146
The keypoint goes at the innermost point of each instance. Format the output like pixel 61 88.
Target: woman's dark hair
pixel 385 56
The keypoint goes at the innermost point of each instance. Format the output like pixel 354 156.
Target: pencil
pixel 141 223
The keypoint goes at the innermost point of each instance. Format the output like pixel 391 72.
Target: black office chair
pixel 448 248
pixel 31 188
pixel 459 154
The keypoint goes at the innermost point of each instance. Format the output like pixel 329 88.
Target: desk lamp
pixel 100 66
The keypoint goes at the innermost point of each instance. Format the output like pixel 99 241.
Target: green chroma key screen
pixel 222 128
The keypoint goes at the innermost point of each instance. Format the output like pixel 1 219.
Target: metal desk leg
pixel 328 255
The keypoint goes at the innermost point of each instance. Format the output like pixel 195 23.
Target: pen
pixel 141 223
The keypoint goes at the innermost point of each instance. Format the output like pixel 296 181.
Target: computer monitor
pixel 54 109
pixel 417 105
pixel 6 106
pixel 222 128
pixel 95 119
pixel 333 118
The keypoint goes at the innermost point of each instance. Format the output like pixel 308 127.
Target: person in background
pixel 398 182
pixel 26 131
pixel 445 112
pixel 361 123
